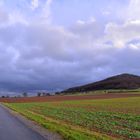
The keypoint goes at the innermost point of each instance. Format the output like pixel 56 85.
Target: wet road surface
pixel 13 129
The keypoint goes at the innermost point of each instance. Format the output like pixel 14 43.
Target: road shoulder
pixel 48 135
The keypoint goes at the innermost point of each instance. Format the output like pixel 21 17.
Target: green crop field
pixel 104 119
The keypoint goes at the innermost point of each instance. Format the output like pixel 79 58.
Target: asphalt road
pixel 13 129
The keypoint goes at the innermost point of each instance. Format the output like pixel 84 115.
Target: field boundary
pixel 76 127
pixel 48 135
pixel 52 126
pixel 90 120
pixel 67 98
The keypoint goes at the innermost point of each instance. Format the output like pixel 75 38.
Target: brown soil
pixel 63 98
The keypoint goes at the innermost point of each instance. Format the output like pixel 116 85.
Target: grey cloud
pixel 4 17
pixel 43 57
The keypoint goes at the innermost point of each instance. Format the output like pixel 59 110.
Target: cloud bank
pixel 38 55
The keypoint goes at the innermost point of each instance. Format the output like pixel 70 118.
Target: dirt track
pixel 63 98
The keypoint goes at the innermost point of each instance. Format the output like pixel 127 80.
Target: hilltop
pixel 123 81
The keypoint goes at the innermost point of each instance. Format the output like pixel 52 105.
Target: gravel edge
pixel 48 135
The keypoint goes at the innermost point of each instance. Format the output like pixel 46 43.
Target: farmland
pixel 103 119
pixel 71 97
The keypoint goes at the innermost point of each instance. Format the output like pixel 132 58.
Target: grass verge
pixel 68 132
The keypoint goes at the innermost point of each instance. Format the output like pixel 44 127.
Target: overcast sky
pixel 56 44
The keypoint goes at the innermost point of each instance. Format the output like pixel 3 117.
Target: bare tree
pixel 38 94
pixel 25 94
pixel 3 96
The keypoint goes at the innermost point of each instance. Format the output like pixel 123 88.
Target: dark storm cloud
pixel 41 56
